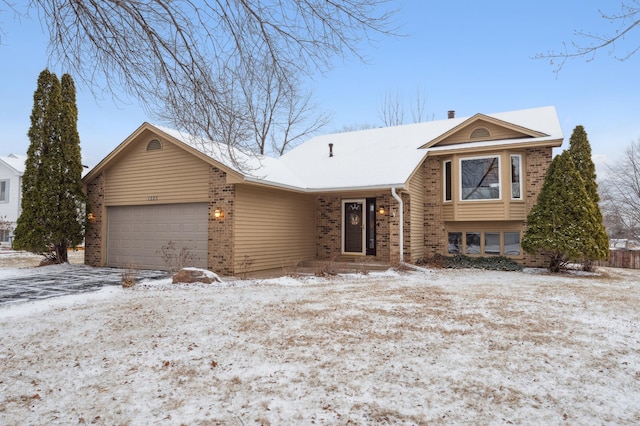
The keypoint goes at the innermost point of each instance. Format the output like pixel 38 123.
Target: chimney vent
pixel 451 114
pixel 330 150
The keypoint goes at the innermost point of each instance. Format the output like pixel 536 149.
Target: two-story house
pixel 11 171
pixel 403 193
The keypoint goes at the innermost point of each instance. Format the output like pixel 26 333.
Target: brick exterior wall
pixel 221 235
pixel 537 163
pixel 329 227
pixel 434 229
pixel 383 225
pixel 93 234
pixel 328 216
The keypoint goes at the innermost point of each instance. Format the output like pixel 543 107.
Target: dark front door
pixel 354 226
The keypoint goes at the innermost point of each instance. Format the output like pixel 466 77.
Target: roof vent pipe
pixel 330 150
pixel 451 114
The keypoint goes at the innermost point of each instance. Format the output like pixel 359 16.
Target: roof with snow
pixel 15 162
pixel 373 158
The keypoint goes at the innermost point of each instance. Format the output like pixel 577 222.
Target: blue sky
pixel 466 56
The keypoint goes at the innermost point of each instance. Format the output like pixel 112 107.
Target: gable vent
pixel 480 133
pixel 154 145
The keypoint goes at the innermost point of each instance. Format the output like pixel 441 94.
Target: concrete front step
pixel 351 265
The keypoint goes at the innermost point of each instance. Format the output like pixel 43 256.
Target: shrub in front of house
pixel 460 261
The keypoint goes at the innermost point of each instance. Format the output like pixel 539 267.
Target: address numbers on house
pixel 152 198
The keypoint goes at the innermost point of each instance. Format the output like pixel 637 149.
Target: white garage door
pixel 136 234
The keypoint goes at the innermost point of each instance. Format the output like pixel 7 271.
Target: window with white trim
pixel 492 243
pixel 484 243
pixel 455 242
pixel 480 178
pixel 472 243
pixel 447 180
pixel 516 181
pixel 4 191
pixel 511 243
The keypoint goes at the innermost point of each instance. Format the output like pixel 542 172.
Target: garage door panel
pixel 136 234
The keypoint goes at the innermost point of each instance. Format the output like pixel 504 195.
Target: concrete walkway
pixel 21 285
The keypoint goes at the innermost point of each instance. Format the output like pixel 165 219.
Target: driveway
pixel 21 285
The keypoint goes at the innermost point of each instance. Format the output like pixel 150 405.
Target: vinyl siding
pixel 497 133
pixel 480 211
pixel 416 229
pixel 485 210
pixel 273 228
pixel 448 211
pixel 517 210
pixel 10 209
pixel 170 175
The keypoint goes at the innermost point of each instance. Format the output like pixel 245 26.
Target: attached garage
pixel 136 234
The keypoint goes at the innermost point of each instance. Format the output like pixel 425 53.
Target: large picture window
pixel 480 178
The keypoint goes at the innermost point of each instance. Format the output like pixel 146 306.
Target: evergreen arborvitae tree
pixel 580 152
pixel 562 223
pixel 52 217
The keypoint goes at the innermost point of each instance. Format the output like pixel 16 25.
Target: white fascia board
pixel 489 144
pixel 320 190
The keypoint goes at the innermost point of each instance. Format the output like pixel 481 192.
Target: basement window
pixel 154 145
pixel 484 243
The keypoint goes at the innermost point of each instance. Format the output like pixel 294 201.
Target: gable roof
pixel 367 159
pixel 386 157
pixel 483 120
pixel 15 162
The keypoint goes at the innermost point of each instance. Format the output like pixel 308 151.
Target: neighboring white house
pixel 11 171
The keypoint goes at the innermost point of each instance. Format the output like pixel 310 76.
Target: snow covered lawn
pixel 435 347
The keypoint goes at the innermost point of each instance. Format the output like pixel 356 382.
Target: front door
pixel 353 226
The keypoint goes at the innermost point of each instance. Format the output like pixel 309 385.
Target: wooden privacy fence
pixel 629 259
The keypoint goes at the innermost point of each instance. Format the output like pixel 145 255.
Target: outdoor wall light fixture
pixel 91 217
pixel 217 213
pixel 381 210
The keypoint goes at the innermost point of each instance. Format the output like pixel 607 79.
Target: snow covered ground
pixel 427 347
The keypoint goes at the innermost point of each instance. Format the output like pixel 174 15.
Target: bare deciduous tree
pixel 279 114
pixel 591 43
pixel 621 194
pixel 391 110
pixel 179 58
